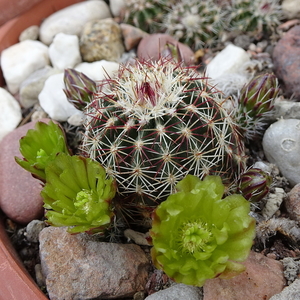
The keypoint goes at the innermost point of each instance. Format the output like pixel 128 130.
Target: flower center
pixel 194 236
pixel 83 200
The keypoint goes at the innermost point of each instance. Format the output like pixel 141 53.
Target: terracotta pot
pixel 15 281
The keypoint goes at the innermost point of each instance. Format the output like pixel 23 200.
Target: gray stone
pixel 77 267
pixel 285 109
pixel 281 144
pixel 178 292
pixel 33 85
pixel 291 292
pixel 101 39
pixel 33 230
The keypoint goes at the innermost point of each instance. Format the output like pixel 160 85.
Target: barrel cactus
pixel 155 123
pixel 144 14
pixel 255 16
pixel 196 23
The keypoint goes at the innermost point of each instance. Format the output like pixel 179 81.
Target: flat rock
pixel 21 60
pixel 281 145
pixel 11 114
pixel 72 19
pixel 20 196
pixel 89 268
pixel 286 62
pixel 101 39
pixel 262 279
pixel 178 291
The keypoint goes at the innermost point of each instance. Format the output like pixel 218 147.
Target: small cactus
pixel 196 23
pixel 254 184
pixel 255 15
pixel 255 103
pixel 145 14
pixel 197 235
pixel 157 122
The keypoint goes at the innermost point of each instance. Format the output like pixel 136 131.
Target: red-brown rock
pixel 20 196
pixel 262 279
pixel 286 59
pixel 152 47
pixel 292 203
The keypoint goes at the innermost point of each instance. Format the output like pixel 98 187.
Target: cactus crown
pixel 157 122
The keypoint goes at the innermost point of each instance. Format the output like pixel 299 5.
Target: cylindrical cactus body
pixel 157 122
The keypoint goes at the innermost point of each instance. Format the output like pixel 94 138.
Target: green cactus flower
pixel 197 235
pixel 40 146
pixel 77 194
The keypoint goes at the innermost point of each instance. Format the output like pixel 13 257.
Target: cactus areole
pixel 155 123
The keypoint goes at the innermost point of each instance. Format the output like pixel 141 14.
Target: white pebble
pixel 71 20
pixel 54 101
pixel 64 51
pixel 228 61
pixel 30 33
pixel 10 115
pixel 116 7
pixel 21 60
pixel 98 70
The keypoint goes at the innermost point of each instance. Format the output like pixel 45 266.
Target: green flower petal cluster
pixel 40 146
pixel 78 194
pixel 197 235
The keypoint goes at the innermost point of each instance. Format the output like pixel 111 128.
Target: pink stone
pixel 262 279
pixel 20 196
pixel 152 46
pixel 131 35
